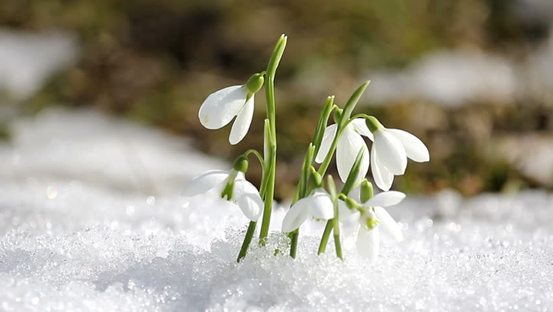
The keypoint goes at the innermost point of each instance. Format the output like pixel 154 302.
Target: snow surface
pixel 455 78
pixel 27 59
pixel 84 230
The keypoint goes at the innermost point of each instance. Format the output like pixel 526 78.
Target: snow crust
pixel 77 234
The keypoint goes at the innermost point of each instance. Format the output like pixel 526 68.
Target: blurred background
pixel 473 79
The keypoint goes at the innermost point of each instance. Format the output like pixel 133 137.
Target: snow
pixel 82 229
pixel 27 59
pixel 476 76
pixel 531 154
pixel 455 78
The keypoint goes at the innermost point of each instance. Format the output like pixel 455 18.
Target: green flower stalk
pixel 270 137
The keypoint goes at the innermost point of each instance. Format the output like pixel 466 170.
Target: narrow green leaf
pixel 322 122
pixel 352 177
pixel 352 102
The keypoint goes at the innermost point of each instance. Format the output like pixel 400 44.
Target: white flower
pixel 245 194
pixel 220 108
pixel 349 144
pixel 389 154
pixel 365 227
pixel 318 205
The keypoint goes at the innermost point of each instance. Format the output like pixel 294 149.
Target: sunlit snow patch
pixel 27 59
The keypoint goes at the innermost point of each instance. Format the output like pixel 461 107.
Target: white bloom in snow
pixel 245 194
pixel 220 108
pixel 390 151
pixel 318 205
pixel 365 227
pixel 349 144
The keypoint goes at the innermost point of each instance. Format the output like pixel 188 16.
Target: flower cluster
pixel 352 222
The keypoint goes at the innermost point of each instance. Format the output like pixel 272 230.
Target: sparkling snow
pixel 91 220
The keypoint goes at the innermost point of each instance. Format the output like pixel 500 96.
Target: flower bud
pixel 373 124
pixel 241 164
pixel 367 191
pixel 277 55
pixel 316 179
pixel 255 83
pixel 338 115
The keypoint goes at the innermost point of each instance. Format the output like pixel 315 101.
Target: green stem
pixel 269 182
pixel 264 180
pixel 338 246
pixel 259 157
pixel 326 236
pixel 328 107
pixel 302 190
pixel 272 144
pixel 336 230
pixel 330 223
pixel 247 240
pixel 294 246
pixel 268 203
pixel 335 220
pixel 364 116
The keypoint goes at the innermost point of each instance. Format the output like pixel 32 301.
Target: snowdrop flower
pixel 390 151
pixel 241 192
pixel 349 144
pixel 222 106
pixel 319 206
pixel 370 220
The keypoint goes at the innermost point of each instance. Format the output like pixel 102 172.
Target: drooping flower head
pixel 349 144
pixel 233 187
pixel 365 223
pixel 319 206
pixel 390 150
pixel 222 106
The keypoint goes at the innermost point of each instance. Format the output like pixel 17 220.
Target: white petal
pixel 349 224
pixel 382 177
pixel 220 107
pixel 345 214
pixel 385 199
pixel 248 199
pixel 390 152
pixel 204 182
pixel 368 243
pixel 320 206
pixel 414 147
pixel 349 144
pixel 328 137
pixel 242 123
pixel 296 216
pixel 360 126
pixel 388 224
pixel 348 234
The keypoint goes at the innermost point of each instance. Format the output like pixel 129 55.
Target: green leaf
pixel 322 122
pixel 352 177
pixel 352 102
